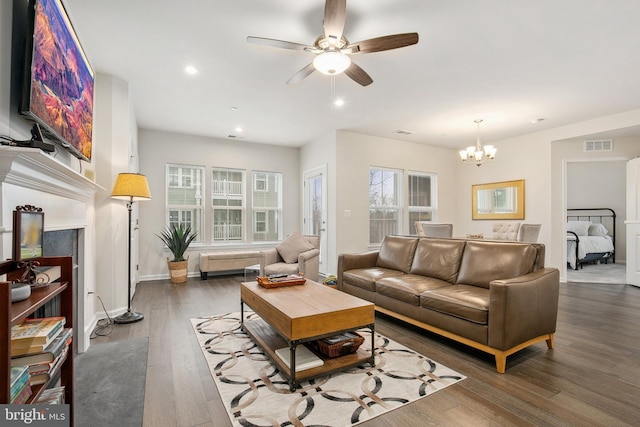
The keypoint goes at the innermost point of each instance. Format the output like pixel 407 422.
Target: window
pixel 385 211
pixel 185 196
pixel 267 206
pixel 228 204
pixel 422 200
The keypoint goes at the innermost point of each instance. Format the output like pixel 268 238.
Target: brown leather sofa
pixel 494 296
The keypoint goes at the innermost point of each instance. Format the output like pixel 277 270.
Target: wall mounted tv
pixel 58 80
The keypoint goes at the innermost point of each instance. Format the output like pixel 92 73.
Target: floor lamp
pixel 131 187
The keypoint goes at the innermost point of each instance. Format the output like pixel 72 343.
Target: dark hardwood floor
pixel 591 378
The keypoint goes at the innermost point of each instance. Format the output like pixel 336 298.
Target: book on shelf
pixel 25 347
pixel 19 381
pixel 51 396
pixel 47 354
pixel 41 377
pixel 36 331
pixel 23 396
pixel 305 358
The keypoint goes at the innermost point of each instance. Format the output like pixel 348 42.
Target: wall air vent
pixel 403 132
pixel 596 145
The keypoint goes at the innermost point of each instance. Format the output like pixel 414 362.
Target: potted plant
pixel 177 239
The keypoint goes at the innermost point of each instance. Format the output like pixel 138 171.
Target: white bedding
pixel 588 245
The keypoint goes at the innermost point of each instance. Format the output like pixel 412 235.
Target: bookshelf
pixel 11 314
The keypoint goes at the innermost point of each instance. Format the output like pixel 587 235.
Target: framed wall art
pixel 28 232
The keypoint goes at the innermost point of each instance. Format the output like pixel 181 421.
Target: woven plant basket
pixel 178 270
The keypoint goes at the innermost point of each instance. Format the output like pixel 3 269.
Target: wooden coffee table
pixel 293 315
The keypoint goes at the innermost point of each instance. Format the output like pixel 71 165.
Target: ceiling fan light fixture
pixel 331 62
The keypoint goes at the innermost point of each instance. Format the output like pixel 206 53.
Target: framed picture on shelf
pixel 28 232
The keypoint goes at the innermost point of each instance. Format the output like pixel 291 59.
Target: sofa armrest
pixel 267 257
pixel 352 261
pixel 523 308
pixel 309 264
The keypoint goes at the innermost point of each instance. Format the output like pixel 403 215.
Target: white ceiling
pixel 506 61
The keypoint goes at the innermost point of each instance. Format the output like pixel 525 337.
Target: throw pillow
pixel 292 246
pixel 597 230
pixel 581 228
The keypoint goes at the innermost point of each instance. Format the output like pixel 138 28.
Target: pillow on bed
pixel 597 230
pixel 581 228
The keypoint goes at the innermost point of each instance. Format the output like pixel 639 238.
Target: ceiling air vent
pixel 596 145
pixel 403 132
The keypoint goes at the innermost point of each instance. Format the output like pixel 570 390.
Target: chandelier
pixel 478 154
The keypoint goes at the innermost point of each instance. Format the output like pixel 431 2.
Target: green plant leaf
pixel 177 239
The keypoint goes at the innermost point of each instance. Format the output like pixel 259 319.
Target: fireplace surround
pixel 30 177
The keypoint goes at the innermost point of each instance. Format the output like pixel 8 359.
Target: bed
pixel 591 236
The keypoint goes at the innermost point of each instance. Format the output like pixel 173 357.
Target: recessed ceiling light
pixel 234 108
pixel 238 129
pixel 535 121
pixel 338 102
pixel 190 69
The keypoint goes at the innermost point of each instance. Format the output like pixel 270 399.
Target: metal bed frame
pixel 595 215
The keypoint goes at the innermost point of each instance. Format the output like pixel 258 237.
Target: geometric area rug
pixel 255 394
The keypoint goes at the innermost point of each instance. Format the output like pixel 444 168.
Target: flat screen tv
pixel 58 81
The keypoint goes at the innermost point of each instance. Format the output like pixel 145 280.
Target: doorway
pixel 315 209
pixel 599 183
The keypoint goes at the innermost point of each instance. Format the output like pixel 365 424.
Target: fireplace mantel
pixel 32 168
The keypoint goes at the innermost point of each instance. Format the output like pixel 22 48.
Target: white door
pixel 633 222
pixel 315 209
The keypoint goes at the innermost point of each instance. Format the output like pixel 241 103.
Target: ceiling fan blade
pixel 335 15
pixel 380 44
pixel 358 75
pixel 302 74
pixel 281 44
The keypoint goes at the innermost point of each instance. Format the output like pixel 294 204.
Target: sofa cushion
pixel 408 287
pixel 438 258
pixel 466 302
pixel 366 278
pixel 292 246
pixel 483 262
pixel 396 253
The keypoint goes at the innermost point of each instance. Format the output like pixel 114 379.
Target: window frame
pixel 256 208
pixel 432 208
pixel 181 209
pixel 398 207
pixel 242 208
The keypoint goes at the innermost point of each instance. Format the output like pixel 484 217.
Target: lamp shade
pixel 132 187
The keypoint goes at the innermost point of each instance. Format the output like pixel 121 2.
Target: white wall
pixel 114 127
pixel 157 148
pixel 355 153
pixel 525 158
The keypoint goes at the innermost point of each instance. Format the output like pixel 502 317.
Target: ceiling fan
pixel 332 49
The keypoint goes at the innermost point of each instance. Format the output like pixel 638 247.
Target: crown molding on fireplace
pixel 31 168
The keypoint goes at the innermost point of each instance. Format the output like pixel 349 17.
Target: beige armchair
pixel 295 254
pixel 505 230
pixel 432 229
pixel 529 233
